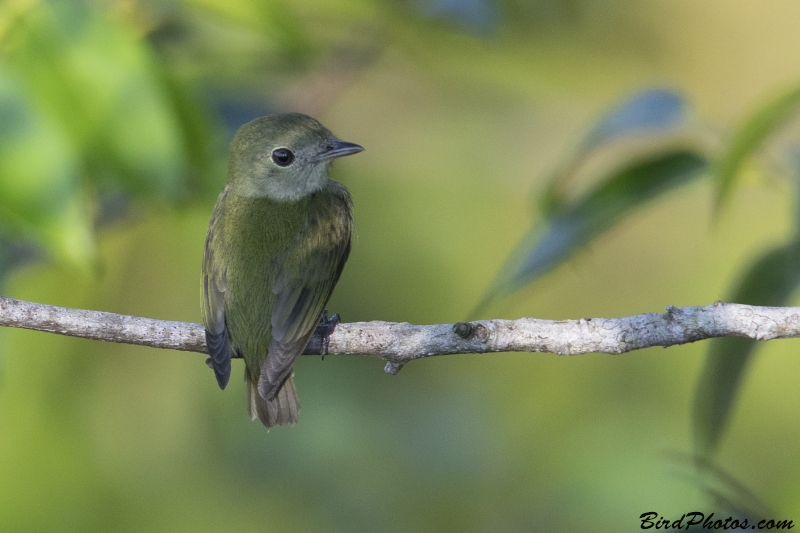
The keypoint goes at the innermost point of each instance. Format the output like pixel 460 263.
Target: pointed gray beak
pixel 337 148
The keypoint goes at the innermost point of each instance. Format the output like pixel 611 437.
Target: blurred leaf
pixel 727 493
pixel 85 107
pixel 480 16
pixel 648 111
pixel 619 194
pixel 40 195
pixel 749 138
pixel 100 83
pixel 770 281
pixel 276 21
pixel 653 109
pixel 73 232
pixel 204 144
pixel 14 252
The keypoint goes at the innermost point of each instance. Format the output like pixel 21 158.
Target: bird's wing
pixel 214 287
pixel 300 298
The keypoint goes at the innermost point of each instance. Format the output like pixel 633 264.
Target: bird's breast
pixel 264 236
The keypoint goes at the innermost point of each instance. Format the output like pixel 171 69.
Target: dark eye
pixel 283 157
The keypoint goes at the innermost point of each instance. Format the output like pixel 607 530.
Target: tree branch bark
pixel 399 343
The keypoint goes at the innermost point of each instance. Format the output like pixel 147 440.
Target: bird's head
pixel 284 157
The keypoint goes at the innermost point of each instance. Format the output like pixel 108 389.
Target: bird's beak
pixel 337 148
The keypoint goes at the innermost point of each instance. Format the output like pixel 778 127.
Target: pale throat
pixel 283 186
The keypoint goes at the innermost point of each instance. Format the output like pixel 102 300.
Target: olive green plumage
pixel 277 242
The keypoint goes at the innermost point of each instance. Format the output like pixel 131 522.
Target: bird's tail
pixel 282 410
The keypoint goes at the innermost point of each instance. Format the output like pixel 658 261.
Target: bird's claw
pixel 325 329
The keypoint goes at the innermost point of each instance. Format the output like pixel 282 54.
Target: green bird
pixel 278 239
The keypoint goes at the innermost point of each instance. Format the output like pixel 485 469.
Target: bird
pixel 278 239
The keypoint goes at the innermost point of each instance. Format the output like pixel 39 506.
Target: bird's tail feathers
pixel 281 410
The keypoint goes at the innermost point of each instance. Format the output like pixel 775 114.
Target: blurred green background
pixel 114 120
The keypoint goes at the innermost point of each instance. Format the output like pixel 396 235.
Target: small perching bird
pixel 278 239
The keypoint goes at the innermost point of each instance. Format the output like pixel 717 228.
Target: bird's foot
pixel 325 329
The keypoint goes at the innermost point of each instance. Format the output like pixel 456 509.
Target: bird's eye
pixel 283 157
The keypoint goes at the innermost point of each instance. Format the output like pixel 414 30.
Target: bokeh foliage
pixel 113 122
pixel 635 181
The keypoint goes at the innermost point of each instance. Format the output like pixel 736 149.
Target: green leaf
pixel 277 22
pixel 618 195
pixel 40 195
pixel 205 144
pixel 749 138
pixel 648 110
pixel 85 106
pixel 651 111
pixel 726 493
pixel 101 84
pixel 770 281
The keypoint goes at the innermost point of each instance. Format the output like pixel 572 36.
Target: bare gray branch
pixel 399 343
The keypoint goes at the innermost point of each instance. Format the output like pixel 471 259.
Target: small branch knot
pixel 481 332
pixel 465 330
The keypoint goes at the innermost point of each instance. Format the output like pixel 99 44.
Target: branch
pixel 399 343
